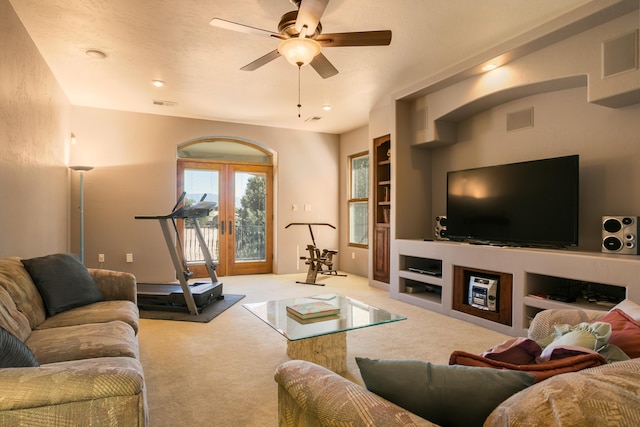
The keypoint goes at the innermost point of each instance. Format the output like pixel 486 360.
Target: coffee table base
pixel 329 351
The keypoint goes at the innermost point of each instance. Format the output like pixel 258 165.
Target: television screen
pixel 531 203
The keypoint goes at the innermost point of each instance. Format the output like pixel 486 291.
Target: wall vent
pixel 313 119
pixel 164 103
pixel 520 119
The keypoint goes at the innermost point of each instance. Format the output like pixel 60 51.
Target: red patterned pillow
pixel 625 332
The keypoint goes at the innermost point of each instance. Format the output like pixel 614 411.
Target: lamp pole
pixel 82 170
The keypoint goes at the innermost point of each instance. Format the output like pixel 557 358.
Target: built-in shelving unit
pixel 527 277
pixel 382 203
pixel 439 124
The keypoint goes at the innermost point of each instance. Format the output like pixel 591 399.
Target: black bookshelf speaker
pixel 620 234
pixel 441 228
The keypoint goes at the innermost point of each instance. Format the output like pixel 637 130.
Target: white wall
pixel 34 139
pixel 564 123
pixel 560 83
pixel 134 156
pixel 352 259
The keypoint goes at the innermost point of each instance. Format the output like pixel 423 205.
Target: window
pixel 359 199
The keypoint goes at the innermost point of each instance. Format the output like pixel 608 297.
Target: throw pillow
pixel 14 353
pixel 629 307
pixel 63 281
pixel 443 394
pixel 625 332
pixel 569 340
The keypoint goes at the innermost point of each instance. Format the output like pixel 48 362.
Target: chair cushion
pixel 63 281
pixel 98 312
pixel 24 293
pixel 445 395
pixel 111 339
pixel 14 353
pixel 11 319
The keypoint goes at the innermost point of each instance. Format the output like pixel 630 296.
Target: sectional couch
pixel 68 345
pixel 608 394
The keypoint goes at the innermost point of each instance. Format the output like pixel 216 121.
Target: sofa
pixel 608 394
pixel 69 353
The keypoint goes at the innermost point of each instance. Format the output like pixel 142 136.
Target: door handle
pixel 230 227
pixel 221 227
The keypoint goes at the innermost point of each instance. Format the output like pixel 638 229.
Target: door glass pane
pixel 198 182
pixel 250 212
pixel 358 228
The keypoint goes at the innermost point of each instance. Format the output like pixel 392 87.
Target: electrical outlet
pixel 129 257
pixel 100 257
pixel 353 255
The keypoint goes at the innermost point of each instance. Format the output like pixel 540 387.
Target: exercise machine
pixel 319 261
pixel 172 296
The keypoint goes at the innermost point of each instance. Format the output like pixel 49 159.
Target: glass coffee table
pixel 321 340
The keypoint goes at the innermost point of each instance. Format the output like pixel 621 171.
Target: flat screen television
pixel 532 203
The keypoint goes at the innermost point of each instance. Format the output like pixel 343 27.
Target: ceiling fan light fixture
pixel 299 51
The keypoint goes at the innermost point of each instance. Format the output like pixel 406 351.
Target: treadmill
pixel 176 296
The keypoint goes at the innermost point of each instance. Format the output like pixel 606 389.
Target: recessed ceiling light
pixel 489 67
pixel 95 54
pixel 327 107
pixel 158 83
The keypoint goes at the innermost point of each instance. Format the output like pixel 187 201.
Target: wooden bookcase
pixel 382 203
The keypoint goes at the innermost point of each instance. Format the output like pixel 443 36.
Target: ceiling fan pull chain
pixel 299 105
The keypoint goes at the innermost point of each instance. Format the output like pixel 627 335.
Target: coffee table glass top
pixel 353 314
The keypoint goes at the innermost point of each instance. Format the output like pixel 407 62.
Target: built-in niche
pixel 462 277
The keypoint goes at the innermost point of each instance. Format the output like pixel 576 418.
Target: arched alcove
pixel 237 175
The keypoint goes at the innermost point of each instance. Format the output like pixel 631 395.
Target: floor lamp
pixel 82 170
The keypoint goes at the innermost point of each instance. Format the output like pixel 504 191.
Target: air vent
pixel 313 119
pixel 520 120
pixel 164 103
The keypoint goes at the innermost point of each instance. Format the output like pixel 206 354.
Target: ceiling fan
pixel 300 32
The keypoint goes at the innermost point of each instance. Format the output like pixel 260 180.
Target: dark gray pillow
pixel 63 281
pixel 448 395
pixel 14 353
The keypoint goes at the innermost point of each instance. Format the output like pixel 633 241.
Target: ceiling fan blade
pixel 309 14
pixel 233 26
pixel 323 67
pixel 274 54
pixel 362 38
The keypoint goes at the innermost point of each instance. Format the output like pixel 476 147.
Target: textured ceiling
pixel 172 40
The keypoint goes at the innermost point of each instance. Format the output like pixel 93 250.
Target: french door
pixel 239 229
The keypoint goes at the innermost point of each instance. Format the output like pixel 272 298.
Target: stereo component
pixel 441 228
pixel 483 293
pixel 620 234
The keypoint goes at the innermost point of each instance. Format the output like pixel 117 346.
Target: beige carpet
pixel 221 373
